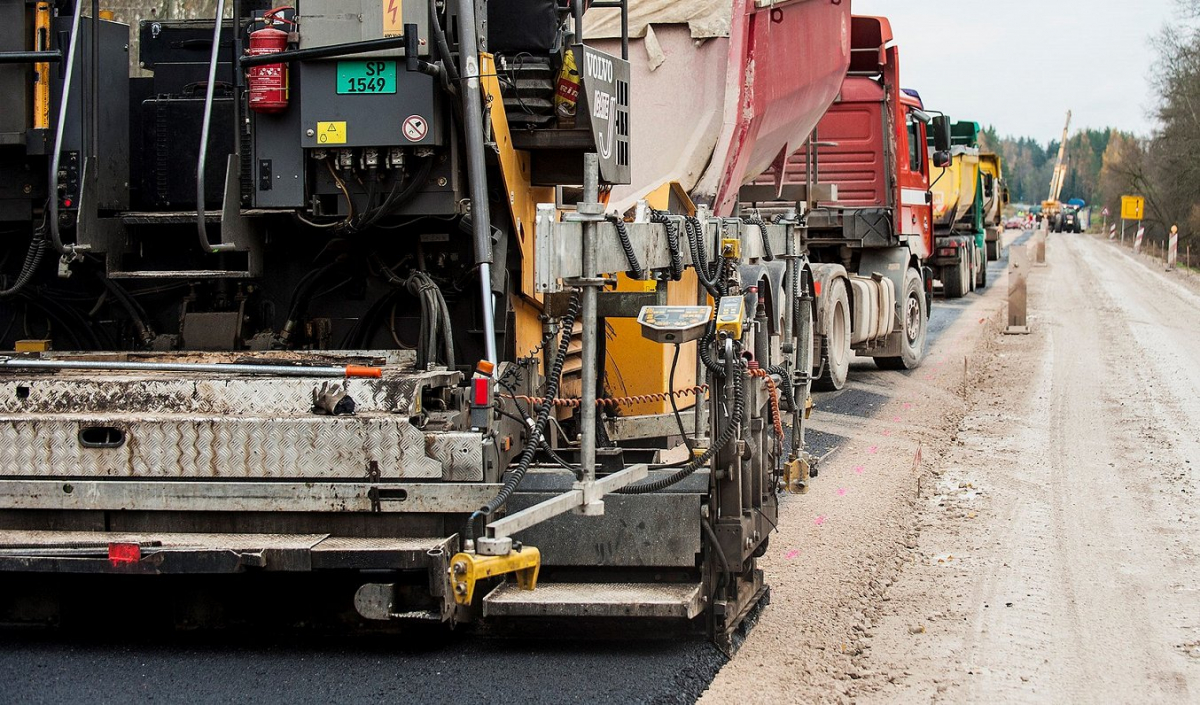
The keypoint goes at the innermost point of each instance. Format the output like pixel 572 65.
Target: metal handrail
pixel 56 162
pixel 30 57
pixel 201 161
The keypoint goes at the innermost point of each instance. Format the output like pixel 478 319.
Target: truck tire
pixel 981 280
pixel 837 339
pixel 972 267
pixel 993 251
pixel 916 325
pixel 954 282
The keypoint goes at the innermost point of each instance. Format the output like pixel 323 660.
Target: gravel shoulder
pixel 1057 558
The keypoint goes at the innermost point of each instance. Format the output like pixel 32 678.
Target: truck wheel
pixel 954 282
pixel 837 340
pixel 981 280
pixel 993 251
pixel 912 349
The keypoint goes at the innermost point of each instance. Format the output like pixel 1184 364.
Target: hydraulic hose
pixel 672 243
pixel 726 435
pixel 755 220
pixel 443 46
pixel 635 268
pixel 33 260
pixel 539 427
pixel 695 235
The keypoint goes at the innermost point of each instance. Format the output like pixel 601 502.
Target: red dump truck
pixel 869 231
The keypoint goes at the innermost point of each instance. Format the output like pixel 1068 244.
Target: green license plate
pixel 356 77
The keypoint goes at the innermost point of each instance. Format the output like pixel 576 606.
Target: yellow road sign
pixel 1133 207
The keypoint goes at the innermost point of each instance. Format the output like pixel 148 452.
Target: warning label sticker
pixel 331 132
pixel 415 128
pixel 393 18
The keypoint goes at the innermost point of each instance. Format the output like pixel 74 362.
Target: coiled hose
pixel 766 241
pixel 33 260
pixel 672 243
pixel 539 426
pixel 710 280
pixel 726 435
pixel 635 268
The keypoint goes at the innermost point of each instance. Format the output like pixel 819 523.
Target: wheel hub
pixel 913 322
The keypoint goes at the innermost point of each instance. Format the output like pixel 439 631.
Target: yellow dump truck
pixel 957 259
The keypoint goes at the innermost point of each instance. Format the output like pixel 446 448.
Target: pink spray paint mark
pixel 819 521
pixel 792 554
pixel 907 406
pixel 887 433
pixel 859 470
pixel 896 419
pixel 873 450
pixel 841 491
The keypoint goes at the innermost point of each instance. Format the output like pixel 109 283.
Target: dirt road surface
pixel 1047 548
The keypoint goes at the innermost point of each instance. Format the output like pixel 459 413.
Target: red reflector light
pixel 481 391
pixel 67 203
pixel 122 553
pixel 946 252
pixel 816 288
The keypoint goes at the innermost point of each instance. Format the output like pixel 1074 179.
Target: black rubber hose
pixel 33 260
pixel 539 426
pixel 635 268
pixel 695 236
pixel 703 348
pixel 137 314
pixel 672 243
pixel 766 241
pixel 727 434
pixel 443 46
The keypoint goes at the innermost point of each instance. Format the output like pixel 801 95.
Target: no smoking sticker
pixel 415 128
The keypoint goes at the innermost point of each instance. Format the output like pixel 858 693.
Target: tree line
pixel 1103 165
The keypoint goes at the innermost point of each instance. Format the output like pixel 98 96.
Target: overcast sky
pixel 1030 60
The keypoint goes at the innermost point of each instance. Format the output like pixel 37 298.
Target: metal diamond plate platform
pixel 677 600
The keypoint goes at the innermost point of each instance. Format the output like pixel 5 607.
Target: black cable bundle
pixel 635 268
pixel 539 427
pixel 672 243
pixel 726 435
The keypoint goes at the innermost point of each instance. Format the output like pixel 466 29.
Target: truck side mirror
pixel 1007 198
pixel 941 158
pixel 941 134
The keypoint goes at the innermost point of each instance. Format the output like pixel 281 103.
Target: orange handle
pixel 359 371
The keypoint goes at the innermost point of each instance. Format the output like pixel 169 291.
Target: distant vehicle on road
pixel 1069 221
pixel 1015 223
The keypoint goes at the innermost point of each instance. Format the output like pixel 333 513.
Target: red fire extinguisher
pixel 268 83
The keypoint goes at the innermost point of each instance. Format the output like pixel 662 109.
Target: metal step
pixel 667 600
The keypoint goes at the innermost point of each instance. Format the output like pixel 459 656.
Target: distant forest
pixel 1028 164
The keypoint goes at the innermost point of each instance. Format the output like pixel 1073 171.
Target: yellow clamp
pixel 731 248
pixel 795 476
pixel 466 569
